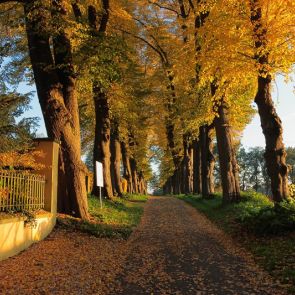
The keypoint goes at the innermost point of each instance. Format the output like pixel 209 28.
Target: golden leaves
pixel 25 160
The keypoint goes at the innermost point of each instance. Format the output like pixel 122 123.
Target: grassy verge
pixel 116 219
pixel 267 232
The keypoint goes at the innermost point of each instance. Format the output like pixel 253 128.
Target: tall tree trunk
pixel 176 182
pixel 141 183
pixel 275 154
pixel 171 143
pixel 187 166
pixel 168 186
pixel 116 160
pixel 227 158
pixel 197 179
pixel 207 160
pixel 191 168
pixel 127 168
pixel 101 151
pixel 203 180
pixel 55 83
pixel 133 166
pixel 165 188
pixel 171 110
pixel 182 176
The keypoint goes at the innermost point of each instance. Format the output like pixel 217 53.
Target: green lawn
pixel 266 231
pixel 116 219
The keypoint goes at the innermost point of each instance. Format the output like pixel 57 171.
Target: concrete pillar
pixel 48 157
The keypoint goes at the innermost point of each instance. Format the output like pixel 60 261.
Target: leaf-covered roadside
pixel 116 219
pixel 259 227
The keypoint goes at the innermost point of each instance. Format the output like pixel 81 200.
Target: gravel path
pixel 175 250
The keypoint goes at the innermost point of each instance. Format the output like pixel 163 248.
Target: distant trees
pixel 253 170
pixel 241 46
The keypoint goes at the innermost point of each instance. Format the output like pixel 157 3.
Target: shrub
pixel 269 219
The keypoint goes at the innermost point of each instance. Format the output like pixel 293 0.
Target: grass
pixel 116 219
pixel 266 231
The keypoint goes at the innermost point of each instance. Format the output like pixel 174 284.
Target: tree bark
pixel 116 160
pixel 207 160
pixel 55 83
pixel 197 179
pixel 101 151
pixel 176 182
pixel 141 184
pixel 171 110
pixel 133 166
pixel 171 142
pixel 227 158
pixel 275 153
pixel 127 168
pixel 168 187
pixel 187 166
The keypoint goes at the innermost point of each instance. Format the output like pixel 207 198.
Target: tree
pixel 258 45
pixel 15 136
pixel 55 82
pixel 116 156
pixel 101 151
pixel 275 154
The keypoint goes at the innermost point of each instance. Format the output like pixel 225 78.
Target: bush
pixel 268 219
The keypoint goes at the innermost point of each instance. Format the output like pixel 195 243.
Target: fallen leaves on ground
pixel 175 250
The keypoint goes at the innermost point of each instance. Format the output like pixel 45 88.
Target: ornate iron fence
pixel 20 191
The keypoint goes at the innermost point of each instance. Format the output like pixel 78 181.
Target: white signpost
pixel 99 179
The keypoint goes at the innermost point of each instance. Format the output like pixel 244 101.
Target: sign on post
pixel 99 178
pixel 99 175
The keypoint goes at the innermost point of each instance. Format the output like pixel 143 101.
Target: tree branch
pixel 77 10
pixel 146 42
pixel 191 4
pixel 164 7
pixel 163 53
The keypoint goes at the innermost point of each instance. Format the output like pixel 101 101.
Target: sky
pixel 283 96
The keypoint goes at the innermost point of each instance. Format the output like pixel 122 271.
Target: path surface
pixel 178 251
pixel 175 250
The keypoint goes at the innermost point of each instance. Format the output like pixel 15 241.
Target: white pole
pixel 100 197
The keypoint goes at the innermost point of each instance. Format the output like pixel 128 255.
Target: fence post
pixel 49 159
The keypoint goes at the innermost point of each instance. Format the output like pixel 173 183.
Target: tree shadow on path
pixel 176 250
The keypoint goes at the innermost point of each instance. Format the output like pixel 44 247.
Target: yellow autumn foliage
pixel 24 160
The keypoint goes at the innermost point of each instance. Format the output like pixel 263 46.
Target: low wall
pixel 16 236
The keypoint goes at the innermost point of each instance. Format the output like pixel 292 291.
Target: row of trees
pixel 152 79
pixel 239 47
pixel 252 170
pixel 89 87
